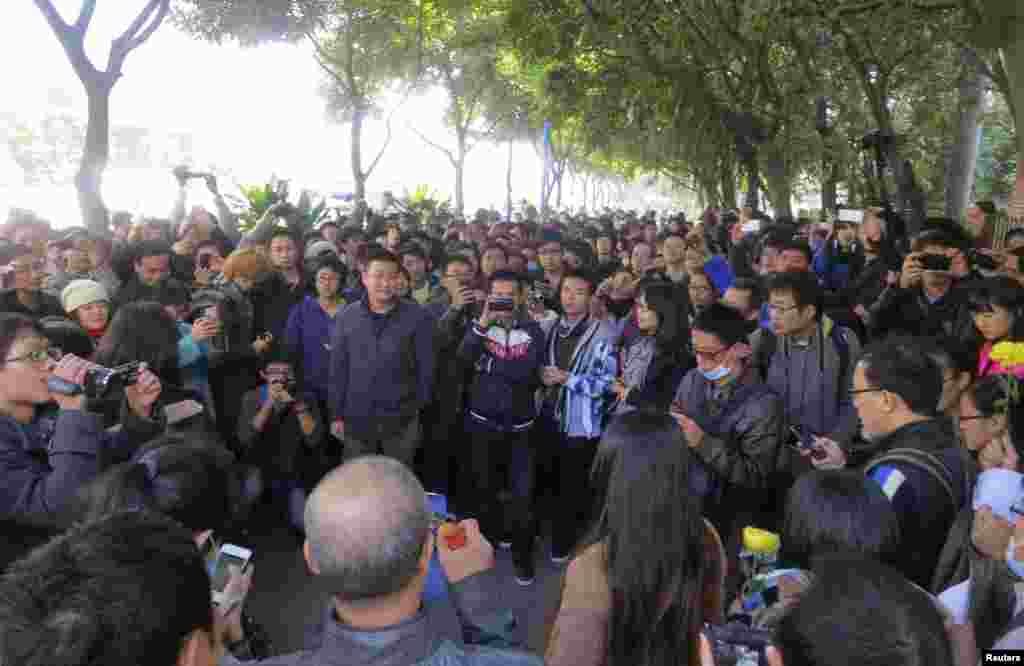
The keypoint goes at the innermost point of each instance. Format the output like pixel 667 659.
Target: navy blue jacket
pixel 380 382
pixel 43 464
pixel 506 373
pixel 922 504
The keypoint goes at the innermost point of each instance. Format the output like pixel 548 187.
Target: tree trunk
pixel 460 169
pixel 964 155
pixel 728 184
pixel 89 180
pixel 559 173
pixel 508 184
pixel 780 186
pixel 358 177
pixel 753 195
pixel 1013 63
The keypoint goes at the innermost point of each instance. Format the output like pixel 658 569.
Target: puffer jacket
pixel 433 637
pixel 43 464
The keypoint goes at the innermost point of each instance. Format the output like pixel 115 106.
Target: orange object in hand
pixel 454 535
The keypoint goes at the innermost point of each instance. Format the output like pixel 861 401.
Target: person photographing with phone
pixel 505 350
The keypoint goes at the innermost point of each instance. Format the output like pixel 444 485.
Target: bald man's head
pixel 366 525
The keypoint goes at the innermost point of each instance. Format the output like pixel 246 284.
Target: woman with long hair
pixel 653 359
pixel 651 572
pixel 990 423
pixel 998 309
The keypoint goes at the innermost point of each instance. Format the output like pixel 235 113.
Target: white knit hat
pixel 82 292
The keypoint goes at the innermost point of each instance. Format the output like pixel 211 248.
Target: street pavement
pixel 285 600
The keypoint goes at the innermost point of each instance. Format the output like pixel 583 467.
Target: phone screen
pixel 222 570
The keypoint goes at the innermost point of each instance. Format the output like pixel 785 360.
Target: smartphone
pixel 851 215
pixel 935 262
pixel 228 556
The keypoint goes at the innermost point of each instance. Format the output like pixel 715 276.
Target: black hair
pixel 149 248
pixel 753 287
pixel 796 245
pixel 380 254
pixel 455 259
pixel 67 335
pixel 722 322
pixel 661 298
pixel 858 612
pixel 283 232
pixel 804 287
pixel 1002 291
pixel 187 480
pixel 506 276
pixel 642 474
pixel 141 331
pixel 839 511
pixel 348 233
pixel 938 236
pixel 124 590
pixel 991 395
pixel 901 366
pixel 14 326
pixel 581 274
pixel 413 249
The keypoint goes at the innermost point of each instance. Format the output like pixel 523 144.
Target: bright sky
pixel 256 112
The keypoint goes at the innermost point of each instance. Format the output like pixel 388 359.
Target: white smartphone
pixel 751 227
pixel 851 215
pixel 228 556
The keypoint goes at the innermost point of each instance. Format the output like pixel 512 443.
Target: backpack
pixel 838 336
pixel 931 464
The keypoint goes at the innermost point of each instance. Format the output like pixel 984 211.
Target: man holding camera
pixel 276 429
pixel 505 349
pixel 926 299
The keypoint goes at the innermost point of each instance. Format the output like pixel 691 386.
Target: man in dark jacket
pixel 373 563
pixel 732 421
pixel 151 262
pixel 917 461
pixel 382 367
pixel 505 349
pixel 926 303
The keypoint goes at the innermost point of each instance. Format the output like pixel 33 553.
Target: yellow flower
pixel 1008 354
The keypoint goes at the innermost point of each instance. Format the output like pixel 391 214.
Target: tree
pixel 461 52
pixel 364 47
pixel 98 85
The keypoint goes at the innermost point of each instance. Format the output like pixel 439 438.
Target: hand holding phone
pixel 231 576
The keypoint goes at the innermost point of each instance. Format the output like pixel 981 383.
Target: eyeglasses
pixel 972 418
pixel 711 356
pixel 38 356
pixel 867 390
pixel 782 309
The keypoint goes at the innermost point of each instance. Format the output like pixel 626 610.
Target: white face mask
pixel 719 373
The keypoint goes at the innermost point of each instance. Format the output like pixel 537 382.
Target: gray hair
pixel 366 524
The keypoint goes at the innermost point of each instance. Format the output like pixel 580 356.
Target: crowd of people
pixel 620 394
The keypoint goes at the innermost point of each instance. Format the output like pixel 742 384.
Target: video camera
pixel 98 382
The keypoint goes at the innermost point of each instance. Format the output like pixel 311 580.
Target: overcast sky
pixel 254 111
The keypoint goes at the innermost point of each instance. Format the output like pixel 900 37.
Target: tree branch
pixel 387 139
pixel 165 8
pixel 53 17
pixel 128 35
pixel 448 153
pixel 136 35
pixel 320 56
pixel 85 15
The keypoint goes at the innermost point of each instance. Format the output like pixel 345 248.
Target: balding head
pixel 366 527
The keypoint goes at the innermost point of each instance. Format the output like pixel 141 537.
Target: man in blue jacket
pixel 382 367
pixel 505 349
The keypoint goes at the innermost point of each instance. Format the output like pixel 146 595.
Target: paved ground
pixel 285 599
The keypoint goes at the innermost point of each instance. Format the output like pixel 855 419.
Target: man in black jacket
pixel 917 460
pixel 505 349
pixel 151 262
pixel 382 367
